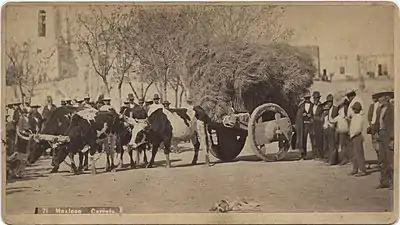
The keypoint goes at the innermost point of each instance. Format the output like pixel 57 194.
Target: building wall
pixel 343 32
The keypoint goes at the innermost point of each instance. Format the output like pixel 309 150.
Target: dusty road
pixel 287 186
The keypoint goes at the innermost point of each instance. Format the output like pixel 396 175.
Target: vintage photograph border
pixel 218 218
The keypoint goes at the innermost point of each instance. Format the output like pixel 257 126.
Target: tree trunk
pixel 120 94
pixel 181 97
pixel 106 84
pixel 176 97
pixel 22 94
pixel 142 89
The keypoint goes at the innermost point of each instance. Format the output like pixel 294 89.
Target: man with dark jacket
pixel 316 137
pixel 35 119
pixel 48 109
pixel 385 119
pixel 373 125
pixel 303 124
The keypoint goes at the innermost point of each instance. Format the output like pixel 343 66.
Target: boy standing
pixel 356 137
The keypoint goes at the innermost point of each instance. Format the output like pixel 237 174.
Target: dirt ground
pixel 285 186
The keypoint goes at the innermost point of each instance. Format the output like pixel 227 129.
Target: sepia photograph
pixel 199 112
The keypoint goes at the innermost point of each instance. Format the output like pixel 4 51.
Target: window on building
pixel 380 72
pixel 342 70
pixel 42 23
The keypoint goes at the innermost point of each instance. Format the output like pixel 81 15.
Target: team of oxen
pixel 88 132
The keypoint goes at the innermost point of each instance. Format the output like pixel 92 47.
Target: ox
pixel 84 127
pixel 166 126
pixel 137 113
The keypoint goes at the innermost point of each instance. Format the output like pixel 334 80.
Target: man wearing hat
pixel 303 124
pixel 141 102
pixel 317 122
pixel 17 113
pixel 86 102
pixel 353 98
pixel 373 125
pixel 27 105
pixel 166 104
pixel 156 99
pixel 107 104
pixel 23 128
pixel 386 139
pixel 63 103
pixel 125 109
pixel 328 131
pixel 48 108
pixel 68 102
pixel 35 119
pixel 356 137
pixel 131 99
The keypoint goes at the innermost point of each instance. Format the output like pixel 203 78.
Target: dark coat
pixel 47 112
pixel 16 115
pixel 388 120
pixel 35 121
pixel 299 123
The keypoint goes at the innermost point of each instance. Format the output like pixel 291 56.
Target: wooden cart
pixel 268 125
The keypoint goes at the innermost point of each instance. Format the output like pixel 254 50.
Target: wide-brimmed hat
pixel 307 94
pixel 126 101
pixel 156 96
pixel 166 102
pixel 107 98
pixel 350 91
pixel 384 93
pixel 141 100
pixel 86 97
pixel 316 94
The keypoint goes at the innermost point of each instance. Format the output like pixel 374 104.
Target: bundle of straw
pixel 244 76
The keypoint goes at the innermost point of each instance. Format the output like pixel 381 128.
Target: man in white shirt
pixel 356 137
pixel 353 98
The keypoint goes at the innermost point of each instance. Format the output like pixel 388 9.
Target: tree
pixel 26 68
pixel 97 40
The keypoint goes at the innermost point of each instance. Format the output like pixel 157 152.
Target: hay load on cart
pixel 250 91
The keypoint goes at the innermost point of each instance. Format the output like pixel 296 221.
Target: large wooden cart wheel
pixel 269 124
pixel 226 143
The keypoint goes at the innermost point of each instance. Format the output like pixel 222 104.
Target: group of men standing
pixel 336 131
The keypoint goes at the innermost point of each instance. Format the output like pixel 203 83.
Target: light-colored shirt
pixel 374 112
pixel 315 108
pixel 328 119
pixel 382 114
pixel 307 107
pixel 356 125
